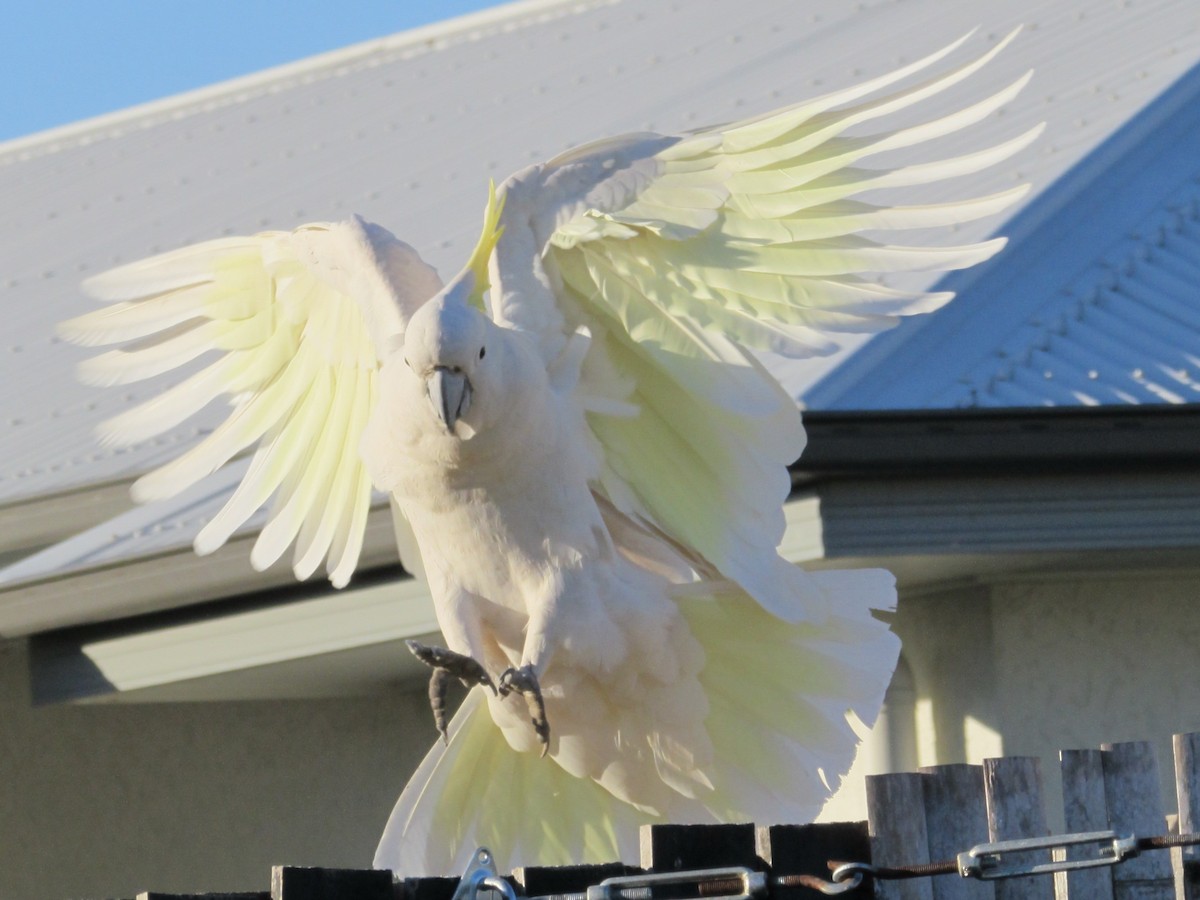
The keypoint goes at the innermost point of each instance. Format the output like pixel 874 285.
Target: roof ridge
pixel 422 39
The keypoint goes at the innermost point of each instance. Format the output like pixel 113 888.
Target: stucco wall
pixel 1128 648
pixel 1034 665
pixel 105 801
pixel 100 801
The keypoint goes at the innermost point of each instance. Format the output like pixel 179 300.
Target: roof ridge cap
pixel 422 39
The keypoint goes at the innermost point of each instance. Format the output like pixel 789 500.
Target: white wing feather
pixel 300 322
pixel 678 254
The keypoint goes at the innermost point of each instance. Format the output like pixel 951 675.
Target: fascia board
pixel 1004 514
pixel 332 624
pixel 164 580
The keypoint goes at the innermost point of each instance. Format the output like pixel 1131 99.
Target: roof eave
pixel 1045 441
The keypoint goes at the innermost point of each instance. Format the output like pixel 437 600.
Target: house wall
pixel 109 800
pixel 1034 665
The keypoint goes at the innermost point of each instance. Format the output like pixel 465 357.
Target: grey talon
pixel 525 682
pixel 464 668
pixel 447 664
pixel 438 682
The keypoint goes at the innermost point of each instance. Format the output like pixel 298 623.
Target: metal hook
pixel 500 885
pixel 846 878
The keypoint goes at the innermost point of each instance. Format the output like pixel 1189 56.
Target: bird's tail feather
pixel 779 696
pixel 478 791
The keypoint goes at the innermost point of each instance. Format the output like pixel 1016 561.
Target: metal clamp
pixel 734 883
pixel 985 861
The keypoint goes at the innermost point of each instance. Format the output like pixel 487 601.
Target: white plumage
pixel 587 462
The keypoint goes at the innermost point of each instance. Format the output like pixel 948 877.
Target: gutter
pixel 1050 440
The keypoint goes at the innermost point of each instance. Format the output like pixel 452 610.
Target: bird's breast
pixel 499 526
pixel 501 537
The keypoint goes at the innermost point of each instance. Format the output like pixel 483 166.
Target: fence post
pixel 808 850
pixel 678 848
pixel 896 817
pixel 1187 792
pixel 1085 808
pixel 301 883
pixel 955 819
pixel 1131 787
pixel 543 881
pixel 1013 786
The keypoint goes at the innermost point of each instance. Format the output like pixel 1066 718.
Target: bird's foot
pixel 525 682
pixel 447 664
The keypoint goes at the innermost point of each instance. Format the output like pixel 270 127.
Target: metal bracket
pixel 481 875
pixel 985 861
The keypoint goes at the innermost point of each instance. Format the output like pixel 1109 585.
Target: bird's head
pixel 446 345
pixel 446 341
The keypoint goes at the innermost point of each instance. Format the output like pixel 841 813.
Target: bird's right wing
pixel 679 255
pixel 299 322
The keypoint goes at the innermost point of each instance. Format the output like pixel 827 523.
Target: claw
pixel 525 682
pixel 447 664
pixel 438 683
pixel 464 668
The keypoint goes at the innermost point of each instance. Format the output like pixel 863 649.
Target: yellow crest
pixel 478 263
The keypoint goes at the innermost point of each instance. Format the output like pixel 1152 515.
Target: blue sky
pixel 64 60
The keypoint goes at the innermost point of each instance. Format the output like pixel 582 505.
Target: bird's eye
pixel 407 363
pixel 482 352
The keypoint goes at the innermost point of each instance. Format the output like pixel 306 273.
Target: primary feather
pixel 585 459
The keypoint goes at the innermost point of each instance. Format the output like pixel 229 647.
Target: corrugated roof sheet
pixel 1096 300
pixel 406 131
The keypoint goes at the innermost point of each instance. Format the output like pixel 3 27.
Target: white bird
pixel 585 460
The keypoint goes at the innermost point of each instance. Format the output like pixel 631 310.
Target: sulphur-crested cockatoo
pixel 586 461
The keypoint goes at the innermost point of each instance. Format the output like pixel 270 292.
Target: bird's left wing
pixel 678 254
pixel 298 323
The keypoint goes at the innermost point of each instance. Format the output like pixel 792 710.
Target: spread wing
pixel 679 254
pixel 296 325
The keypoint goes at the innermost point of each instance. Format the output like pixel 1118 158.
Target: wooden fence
pixel 925 817
pixel 944 810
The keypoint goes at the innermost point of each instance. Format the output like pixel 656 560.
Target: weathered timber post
pixel 1187 792
pixel 1013 788
pixel 956 818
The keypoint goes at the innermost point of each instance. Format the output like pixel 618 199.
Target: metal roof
pixel 1096 301
pixel 407 129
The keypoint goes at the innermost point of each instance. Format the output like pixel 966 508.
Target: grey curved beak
pixel 450 393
